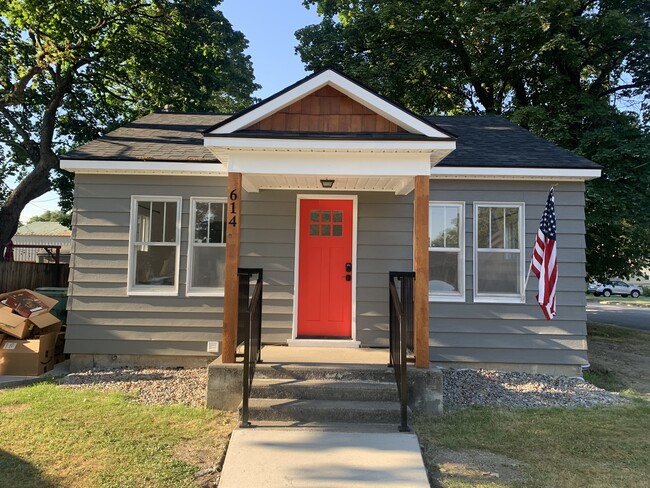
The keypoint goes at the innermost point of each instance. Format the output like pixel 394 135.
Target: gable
pixel 326 110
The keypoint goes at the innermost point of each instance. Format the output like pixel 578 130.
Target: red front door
pixel 325 269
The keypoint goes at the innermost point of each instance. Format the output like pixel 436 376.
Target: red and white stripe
pixel 544 266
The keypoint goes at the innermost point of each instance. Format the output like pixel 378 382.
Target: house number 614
pixel 233 199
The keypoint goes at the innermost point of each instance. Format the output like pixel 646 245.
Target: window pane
pixel 326 216
pixel 483 227
pixel 170 223
pixel 337 230
pixel 443 272
pixel 154 265
pixel 452 226
pixel 512 228
pixel 313 229
pixel 144 222
pixel 338 216
pixel 216 223
pixel 208 267
pixel 498 272
pixel 325 230
pixel 437 226
pixel 314 215
pixel 497 219
pixel 202 218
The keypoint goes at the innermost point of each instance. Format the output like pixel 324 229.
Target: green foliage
pixel 70 71
pixel 564 69
pixel 63 218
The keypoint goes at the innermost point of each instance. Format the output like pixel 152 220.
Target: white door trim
pixel 294 341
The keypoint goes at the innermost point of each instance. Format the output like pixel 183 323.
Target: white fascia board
pixel 515 173
pixel 227 144
pixel 354 91
pixel 85 166
pixel 329 163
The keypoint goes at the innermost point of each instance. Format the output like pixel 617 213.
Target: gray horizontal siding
pixel 102 319
pixel 516 333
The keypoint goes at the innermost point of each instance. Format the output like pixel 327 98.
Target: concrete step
pixel 324 389
pixel 341 372
pixel 321 411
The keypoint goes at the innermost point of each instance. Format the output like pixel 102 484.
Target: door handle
pixel 348 277
pixel 348 267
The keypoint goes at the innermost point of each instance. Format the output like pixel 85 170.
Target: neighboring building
pixel 457 199
pixel 41 234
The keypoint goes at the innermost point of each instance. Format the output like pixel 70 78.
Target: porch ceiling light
pixel 327 183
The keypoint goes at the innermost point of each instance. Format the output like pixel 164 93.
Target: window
pixel 154 245
pixel 499 252
pixel 446 251
pixel 207 247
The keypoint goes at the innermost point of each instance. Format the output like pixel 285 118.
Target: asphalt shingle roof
pixel 493 141
pixel 159 136
pixel 483 141
pixel 43 229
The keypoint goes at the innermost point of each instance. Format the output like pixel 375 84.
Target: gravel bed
pixel 462 387
pixel 465 388
pixel 148 386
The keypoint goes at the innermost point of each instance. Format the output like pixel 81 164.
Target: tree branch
pixel 639 84
pixel 19 128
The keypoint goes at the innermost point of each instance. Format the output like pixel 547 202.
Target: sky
pixel 269 26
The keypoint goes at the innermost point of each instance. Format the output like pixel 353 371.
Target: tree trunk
pixel 34 185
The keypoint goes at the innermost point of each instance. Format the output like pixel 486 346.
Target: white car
pixel 614 287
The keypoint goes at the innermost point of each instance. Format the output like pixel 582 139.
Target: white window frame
pixel 501 297
pixel 202 291
pixel 145 290
pixel 458 296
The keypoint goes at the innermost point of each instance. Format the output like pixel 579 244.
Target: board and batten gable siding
pixel 516 333
pixel 384 243
pixel 102 319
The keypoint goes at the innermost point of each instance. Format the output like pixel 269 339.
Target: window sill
pixel 497 299
pixel 153 293
pixel 447 298
pixel 199 293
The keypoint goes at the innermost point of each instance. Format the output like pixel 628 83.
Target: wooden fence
pixel 15 275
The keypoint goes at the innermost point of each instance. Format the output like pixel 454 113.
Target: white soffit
pixel 328 77
pixel 562 174
pixel 398 185
pixel 85 166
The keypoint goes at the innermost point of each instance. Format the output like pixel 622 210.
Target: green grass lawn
pixel 572 448
pixel 642 301
pixel 55 437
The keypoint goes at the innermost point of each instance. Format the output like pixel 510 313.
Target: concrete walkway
pixel 279 457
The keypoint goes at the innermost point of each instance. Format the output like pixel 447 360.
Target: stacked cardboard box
pixel 30 336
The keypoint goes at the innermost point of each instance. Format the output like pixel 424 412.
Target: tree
pixel 71 70
pixel 564 69
pixel 63 218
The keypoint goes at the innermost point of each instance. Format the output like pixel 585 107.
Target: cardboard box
pixel 18 326
pixel 30 357
pixel 27 303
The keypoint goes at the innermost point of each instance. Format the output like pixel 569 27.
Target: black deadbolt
pixel 348 268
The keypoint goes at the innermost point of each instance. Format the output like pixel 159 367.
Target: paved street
pixel 624 315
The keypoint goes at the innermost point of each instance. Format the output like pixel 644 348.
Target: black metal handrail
pixel 401 322
pixel 250 325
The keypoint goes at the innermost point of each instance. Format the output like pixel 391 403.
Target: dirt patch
pixel 472 466
pixel 627 358
pixel 208 460
pixel 11 409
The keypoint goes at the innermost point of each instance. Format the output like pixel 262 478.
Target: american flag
pixel 544 262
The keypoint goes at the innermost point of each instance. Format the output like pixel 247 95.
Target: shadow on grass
pixel 20 473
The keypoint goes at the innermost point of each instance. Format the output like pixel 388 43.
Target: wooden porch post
pixel 421 268
pixel 231 287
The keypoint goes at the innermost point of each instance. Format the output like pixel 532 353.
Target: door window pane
pixel 337 230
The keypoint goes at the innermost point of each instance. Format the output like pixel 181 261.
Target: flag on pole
pixel 544 262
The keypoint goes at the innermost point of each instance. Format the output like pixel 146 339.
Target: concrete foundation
pixel 83 362
pixel 549 369
pixel 224 385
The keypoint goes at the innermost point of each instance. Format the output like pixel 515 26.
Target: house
pixel 44 235
pixel 328 187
